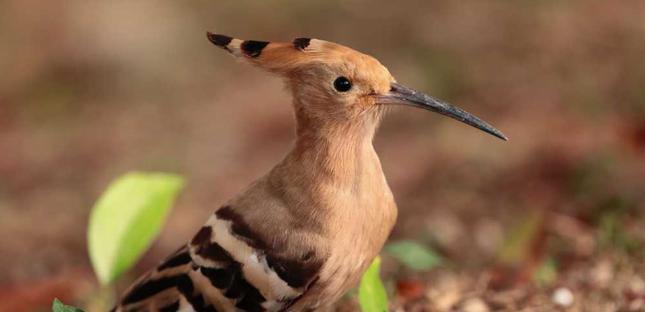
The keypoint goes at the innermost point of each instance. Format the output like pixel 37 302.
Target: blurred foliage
pixel 611 233
pixel 413 255
pixel 519 240
pixel 58 306
pixel 546 273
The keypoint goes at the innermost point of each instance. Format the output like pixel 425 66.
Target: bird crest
pixel 283 57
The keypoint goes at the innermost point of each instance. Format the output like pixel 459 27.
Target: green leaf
pixel 371 292
pixel 58 306
pixel 413 255
pixel 546 273
pixel 126 219
pixel 518 242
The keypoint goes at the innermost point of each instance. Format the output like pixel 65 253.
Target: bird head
pixel 332 83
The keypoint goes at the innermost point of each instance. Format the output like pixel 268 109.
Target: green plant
pixel 126 219
pixel 414 255
pixel 123 223
pixel 371 293
pixel 547 272
pixel 58 306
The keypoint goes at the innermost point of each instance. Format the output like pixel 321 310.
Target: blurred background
pixel 90 90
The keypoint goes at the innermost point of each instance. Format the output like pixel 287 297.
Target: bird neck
pixel 333 177
pixel 337 151
pixel 330 159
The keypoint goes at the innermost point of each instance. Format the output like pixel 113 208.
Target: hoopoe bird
pixel 299 237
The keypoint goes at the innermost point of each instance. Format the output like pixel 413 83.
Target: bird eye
pixel 342 84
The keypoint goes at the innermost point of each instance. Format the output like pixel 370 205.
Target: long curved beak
pixel 400 94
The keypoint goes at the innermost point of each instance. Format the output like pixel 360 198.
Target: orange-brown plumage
pixel 299 237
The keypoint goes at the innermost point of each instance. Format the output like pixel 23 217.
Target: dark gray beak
pixel 400 94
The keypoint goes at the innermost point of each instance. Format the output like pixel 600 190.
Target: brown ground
pixel 92 90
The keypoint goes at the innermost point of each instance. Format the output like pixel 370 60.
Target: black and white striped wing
pixel 226 267
pixel 167 288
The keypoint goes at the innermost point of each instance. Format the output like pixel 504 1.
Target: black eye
pixel 342 84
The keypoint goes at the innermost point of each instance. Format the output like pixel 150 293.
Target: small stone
pixel 445 293
pixel 446 301
pixel 562 297
pixel 475 305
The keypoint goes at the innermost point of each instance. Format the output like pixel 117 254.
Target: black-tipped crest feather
pixel 253 48
pixel 301 43
pixel 221 41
